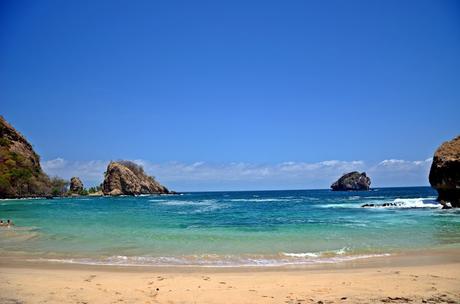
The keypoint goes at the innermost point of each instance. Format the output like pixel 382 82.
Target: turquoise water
pixel 228 228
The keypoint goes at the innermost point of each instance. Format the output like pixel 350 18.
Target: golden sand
pixel 411 279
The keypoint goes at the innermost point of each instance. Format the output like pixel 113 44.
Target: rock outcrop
pixel 353 181
pixel 445 172
pixel 128 178
pixel 76 186
pixel 20 172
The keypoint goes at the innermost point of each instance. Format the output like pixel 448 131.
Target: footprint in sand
pixel 153 293
pixel 90 278
pixel 396 300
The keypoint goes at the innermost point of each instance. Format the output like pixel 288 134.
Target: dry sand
pixel 409 279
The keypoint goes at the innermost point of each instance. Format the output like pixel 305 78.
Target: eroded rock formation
pixel 76 185
pixel 128 178
pixel 445 172
pixel 353 181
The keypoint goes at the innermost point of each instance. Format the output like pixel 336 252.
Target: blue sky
pixel 232 91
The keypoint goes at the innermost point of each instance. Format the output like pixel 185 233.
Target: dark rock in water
pixel 368 205
pixel 353 181
pixel 128 178
pixel 20 172
pixel 76 185
pixel 445 172
pixel 389 204
pixel 381 205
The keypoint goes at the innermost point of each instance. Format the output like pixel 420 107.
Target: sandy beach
pixel 433 278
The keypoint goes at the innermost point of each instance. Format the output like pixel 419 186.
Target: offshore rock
pixel 353 181
pixel 128 178
pixel 445 173
pixel 76 185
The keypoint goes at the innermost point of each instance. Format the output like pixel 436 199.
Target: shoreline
pixel 416 258
pixel 433 277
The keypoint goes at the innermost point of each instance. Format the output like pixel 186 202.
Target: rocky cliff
pixel 352 181
pixel 128 178
pixel 20 172
pixel 445 172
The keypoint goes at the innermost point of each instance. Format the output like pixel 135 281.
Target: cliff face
pixel 20 172
pixel 445 172
pixel 127 178
pixel 352 181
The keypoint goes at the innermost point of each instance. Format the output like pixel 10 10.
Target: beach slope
pixel 385 282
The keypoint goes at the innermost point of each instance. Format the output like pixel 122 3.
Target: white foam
pixel 353 198
pixel 301 255
pixel 265 200
pixel 184 203
pixel 428 202
pixel 403 203
pixel 340 251
pixel 214 260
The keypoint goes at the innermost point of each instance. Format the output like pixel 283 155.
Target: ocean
pixel 251 228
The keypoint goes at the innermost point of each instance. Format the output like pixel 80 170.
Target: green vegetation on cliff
pixel 20 171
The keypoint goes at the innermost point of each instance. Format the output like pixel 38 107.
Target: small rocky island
pixel 353 181
pixel 128 178
pixel 445 173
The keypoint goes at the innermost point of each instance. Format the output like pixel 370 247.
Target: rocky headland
pixel 20 172
pixel 128 178
pixel 353 181
pixel 445 173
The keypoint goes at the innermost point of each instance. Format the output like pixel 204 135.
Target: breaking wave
pixel 282 259
pixel 403 203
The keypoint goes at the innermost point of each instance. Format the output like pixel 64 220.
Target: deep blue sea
pixel 228 228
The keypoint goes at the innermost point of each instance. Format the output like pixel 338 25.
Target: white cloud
pixel 91 172
pixel 53 164
pixel 202 175
pixel 399 172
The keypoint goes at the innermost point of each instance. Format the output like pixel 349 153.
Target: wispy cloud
pixel 399 172
pixel 243 176
pixel 91 172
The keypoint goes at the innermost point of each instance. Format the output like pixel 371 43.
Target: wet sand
pixel 415 278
